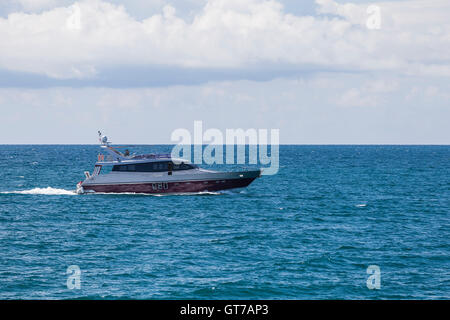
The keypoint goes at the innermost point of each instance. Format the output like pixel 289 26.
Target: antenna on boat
pixel 103 139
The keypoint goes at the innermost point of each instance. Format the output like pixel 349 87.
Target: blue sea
pixel 309 232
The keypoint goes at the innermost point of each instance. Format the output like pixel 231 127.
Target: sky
pixel 322 72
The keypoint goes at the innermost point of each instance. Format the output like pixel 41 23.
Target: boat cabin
pixel 154 166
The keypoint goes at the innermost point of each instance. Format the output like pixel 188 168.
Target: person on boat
pixel 170 168
pixel 126 153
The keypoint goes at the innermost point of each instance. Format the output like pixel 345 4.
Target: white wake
pixel 45 191
pixel 55 191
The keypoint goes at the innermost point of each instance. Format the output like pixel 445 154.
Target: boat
pixel 156 174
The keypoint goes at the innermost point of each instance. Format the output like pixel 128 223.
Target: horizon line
pixel 193 144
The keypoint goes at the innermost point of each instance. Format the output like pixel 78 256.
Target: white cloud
pixel 413 38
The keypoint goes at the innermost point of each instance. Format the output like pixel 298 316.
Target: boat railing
pixel 151 156
pixel 110 158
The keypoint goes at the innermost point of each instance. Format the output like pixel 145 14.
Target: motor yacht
pixel 156 173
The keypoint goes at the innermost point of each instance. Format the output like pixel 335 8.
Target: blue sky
pixel 138 70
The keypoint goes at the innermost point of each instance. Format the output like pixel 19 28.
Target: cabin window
pixel 185 166
pixel 161 166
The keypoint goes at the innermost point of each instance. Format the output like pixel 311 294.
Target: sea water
pixel 309 232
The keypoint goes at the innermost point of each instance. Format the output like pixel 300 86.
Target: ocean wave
pixel 362 205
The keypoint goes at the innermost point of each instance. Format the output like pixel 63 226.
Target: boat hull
pixel 239 180
pixel 170 187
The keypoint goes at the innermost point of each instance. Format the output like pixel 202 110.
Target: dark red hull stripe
pixel 172 187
